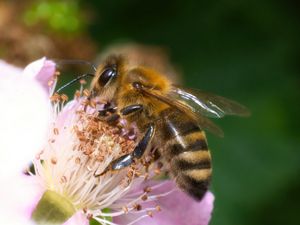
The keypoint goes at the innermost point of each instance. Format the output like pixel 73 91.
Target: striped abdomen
pixel 187 152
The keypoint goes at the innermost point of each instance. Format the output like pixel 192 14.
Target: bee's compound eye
pixel 107 75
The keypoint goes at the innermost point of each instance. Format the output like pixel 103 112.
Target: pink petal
pixel 42 70
pixel 25 117
pixel 176 208
pixel 19 195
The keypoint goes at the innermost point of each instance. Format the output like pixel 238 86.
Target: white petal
pixel 19 195
pixel 7 69
pixel 24 120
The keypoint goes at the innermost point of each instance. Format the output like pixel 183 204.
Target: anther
pixel 137 207
pixel 147 189
pixel 56 131
pixel 82 81
pixel 125 209
pixel 149 213
pixel 63 179
pixel 158 208
pixel 53 160
pixel 86 92
pixel 144 197
pixel 64 97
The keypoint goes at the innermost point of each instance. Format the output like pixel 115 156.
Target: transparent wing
pixel 203 122
pixel 208 104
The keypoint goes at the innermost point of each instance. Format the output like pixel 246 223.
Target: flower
pixel 24 121
pixel 70 169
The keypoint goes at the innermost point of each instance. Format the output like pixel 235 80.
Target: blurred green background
pixel 245 50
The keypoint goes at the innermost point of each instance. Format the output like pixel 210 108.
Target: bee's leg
pixel 112 118
pixel 137 153
pixel 108 107
pixel 131 109
pixel 141 147
pixel 103 113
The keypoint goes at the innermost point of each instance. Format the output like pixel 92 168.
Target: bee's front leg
pixel 108 108
pixel 137 153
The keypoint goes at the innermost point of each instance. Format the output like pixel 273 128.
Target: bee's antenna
pixel 75 61
pixel 74 80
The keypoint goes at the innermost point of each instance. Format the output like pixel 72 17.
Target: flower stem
pixel 53 209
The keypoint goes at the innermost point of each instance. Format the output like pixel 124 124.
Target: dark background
pixel 245 50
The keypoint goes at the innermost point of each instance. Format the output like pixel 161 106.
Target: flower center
pixel 53 209
pixel 73 164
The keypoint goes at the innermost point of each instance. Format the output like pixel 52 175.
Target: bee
pixel 168 117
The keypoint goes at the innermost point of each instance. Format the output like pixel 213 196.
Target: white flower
pixel 24 119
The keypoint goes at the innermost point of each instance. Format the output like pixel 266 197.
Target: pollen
pixel 150 213
pixel 56 131
pixel 76 161
pixel 54 160
pixel 64 98
pixel 137 207
pixel 144 197
pixel 86 92
pixel 82 81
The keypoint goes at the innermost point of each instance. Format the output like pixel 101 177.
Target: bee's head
pixel 107 76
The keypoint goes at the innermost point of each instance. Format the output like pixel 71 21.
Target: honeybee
pixel 168 117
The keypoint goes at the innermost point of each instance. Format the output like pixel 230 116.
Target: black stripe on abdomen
pixel 179 164
pixel 194 188
pixel 198 144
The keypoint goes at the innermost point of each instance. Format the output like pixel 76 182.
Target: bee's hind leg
pixel 137 153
